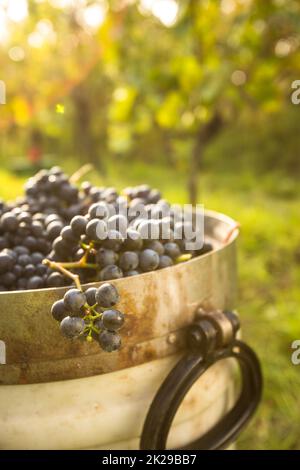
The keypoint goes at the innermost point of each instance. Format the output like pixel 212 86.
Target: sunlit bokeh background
pixel 193 97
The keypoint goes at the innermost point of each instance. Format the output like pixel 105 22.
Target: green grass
pixel 269 272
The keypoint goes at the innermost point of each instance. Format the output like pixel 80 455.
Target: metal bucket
pixel 58 394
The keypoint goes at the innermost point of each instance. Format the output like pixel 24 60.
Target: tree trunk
pixel 85 144
pixel 202 138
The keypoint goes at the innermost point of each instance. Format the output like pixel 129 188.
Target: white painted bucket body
pixel 108 411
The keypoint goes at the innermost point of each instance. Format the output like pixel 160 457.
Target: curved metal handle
pixel 188 370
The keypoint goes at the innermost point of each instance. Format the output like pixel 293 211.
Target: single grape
pixel 56 170
pixel 23 230
pixel 113 241
pixel 109 341
pixel 52 218
pixel 165 262
pixel 37 229
pixel 8 279
pixel 9 222
pixel 6 262
pixel 90 295
pixel 95 194
pixel 72 327
pixel 55 280
pixel 133 240
pixel 100 210
pixel 110 272
pixel 37 258
pixel 41 269
pixel 113 320
pixel 104 257
pixel 172 250
pixel 18 270
pixel 68 192
pixel 24 217
pixel 30 242
pixel 67 234
pixel 149 260
pixel 29 270
pixel 62 247
pixel 10 253
pixel 35 282
pixel 107 295
pixel 74 300
pixel 58 310
pixel 110 195
pixel 78 225
pixel 154 196
pixel 157 246
pixel 39 217
pixel 53 229
pixel 96 229
pixel 43 245
pixel 142 191
pixel 129 260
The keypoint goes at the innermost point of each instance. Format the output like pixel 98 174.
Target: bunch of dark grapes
pixel 51 192
pixel 86 232
pixel 29 225
pixel 108 244
pixel 91 315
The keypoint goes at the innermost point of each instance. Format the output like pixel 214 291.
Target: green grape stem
pixel 64 267
pixel 60 267
pixel 78 265
pixel 81 172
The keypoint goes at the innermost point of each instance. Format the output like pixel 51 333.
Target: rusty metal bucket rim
pixel 208 213
pixel 37 356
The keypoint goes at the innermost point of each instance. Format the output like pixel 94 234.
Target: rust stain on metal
pixel 172 338
pixel 157 306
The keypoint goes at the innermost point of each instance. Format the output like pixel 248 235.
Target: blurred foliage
pixel 151 80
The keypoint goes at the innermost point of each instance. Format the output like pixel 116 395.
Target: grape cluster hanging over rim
pixel 90 315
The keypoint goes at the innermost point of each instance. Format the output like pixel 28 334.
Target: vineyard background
pixel 191 97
